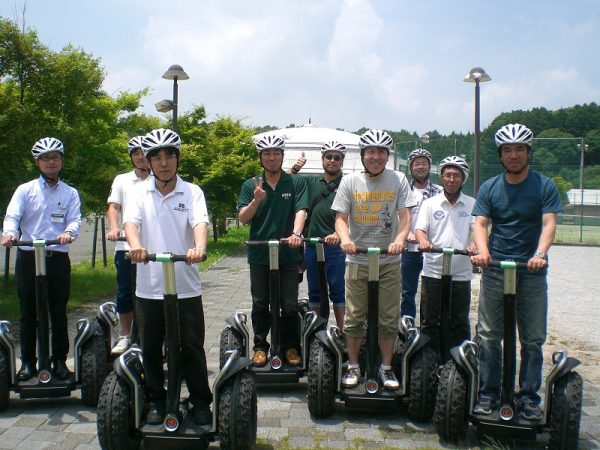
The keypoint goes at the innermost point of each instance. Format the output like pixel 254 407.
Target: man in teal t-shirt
pixel 274 203
pixel 522 206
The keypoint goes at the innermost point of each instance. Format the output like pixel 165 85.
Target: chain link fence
pixel 557 158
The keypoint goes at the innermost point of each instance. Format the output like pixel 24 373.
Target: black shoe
pixel 201 414
pixel 60 370
pixel 531 411
pixel 156 412
pixel 27 372
pixel 485 406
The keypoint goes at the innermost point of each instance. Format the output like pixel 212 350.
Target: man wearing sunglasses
pixel 321 223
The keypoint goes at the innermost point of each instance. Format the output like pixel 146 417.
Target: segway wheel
pixel 237 412
pixel 566 412
pixel 230 340
pixel 4 379
pixel 450 415
pixel 114 418
pixel 423 385
pixel 321 380
pixel 94 367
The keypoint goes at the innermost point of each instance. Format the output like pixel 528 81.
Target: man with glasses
pixel 44 208
pixel 321 223
pixel 445 221
pixel 419 163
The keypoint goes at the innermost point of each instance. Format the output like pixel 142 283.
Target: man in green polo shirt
pixel 321 223
pixel 274 203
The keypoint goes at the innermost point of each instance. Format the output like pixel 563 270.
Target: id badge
pixel 58 216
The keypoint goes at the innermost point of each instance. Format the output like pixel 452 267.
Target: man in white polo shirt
pixel 120 191
pixel 167 214
pixel 445 221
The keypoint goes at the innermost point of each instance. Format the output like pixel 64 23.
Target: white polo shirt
pixel 447 225
pixel 166 225
pixel 120 192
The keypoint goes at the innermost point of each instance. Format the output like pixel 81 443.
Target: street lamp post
pixel 476 75
pixel 175 73
pixel 583 147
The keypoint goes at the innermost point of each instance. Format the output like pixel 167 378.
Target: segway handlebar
pixel 453 251
pixel 164 257
pixel 46 242
pixel 508 264
pixel 257 243
pixel 371 250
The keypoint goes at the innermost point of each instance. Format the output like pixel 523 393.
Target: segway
pixel 459 381
pixel 236 335
pixel 91 347
pixel 327 354
pixel 446 299
pixel 121 419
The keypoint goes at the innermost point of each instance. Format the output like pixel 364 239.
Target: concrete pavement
pixel 283 418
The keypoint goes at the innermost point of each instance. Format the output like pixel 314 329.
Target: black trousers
pixel 150 317
pixel 460 329
pixel 261 317
pixel 58 270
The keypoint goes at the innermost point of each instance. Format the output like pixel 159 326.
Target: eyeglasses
pixel 334 157
pixel 451 176
pixel 47 158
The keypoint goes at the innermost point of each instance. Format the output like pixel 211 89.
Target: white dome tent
pixel 309 139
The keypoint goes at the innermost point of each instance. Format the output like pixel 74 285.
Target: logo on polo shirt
pixel 439 215
pixel 463 214
pixel 286 195
pixel 181 207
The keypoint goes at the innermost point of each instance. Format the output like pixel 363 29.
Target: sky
pixel 390 64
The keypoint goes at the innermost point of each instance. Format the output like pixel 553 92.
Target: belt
pixel 51 253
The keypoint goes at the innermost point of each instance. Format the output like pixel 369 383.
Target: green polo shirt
pixel 274 218
pixel 322 217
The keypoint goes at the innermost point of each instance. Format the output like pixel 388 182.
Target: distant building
pixel 309 139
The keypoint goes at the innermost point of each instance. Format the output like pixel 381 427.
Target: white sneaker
pixel 351 377
pixel 388 379
pixel 122 345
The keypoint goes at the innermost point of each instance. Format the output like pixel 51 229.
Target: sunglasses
pixel 334 157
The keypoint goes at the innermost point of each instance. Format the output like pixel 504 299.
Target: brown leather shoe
pixel 260 358
pixel 292 357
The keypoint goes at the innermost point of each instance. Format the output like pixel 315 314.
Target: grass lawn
pixel 91 284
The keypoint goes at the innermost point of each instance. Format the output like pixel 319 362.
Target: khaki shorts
pixel 356 278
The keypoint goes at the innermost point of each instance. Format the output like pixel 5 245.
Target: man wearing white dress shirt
pixel 44 208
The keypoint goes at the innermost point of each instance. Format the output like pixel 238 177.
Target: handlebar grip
pixel 258 243
pixel 455 251
pixel 151 257
pixel 507 264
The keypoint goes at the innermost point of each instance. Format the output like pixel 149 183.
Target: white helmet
pixel 270 141
pixel 47 145
pixel 418 153
pixel 375 138
pixel 160 138
pixel 333 146
pixel 134 143
pixel 455 161
pixel 514 133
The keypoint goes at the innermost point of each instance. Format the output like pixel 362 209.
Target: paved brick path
pixel 283 417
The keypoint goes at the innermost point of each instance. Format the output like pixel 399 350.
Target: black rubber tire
pixel 230 340
pixel 114 418
pixel 423 384
pixel 321 380
pixel 450 415
pixel 94 367
pixel 4 379
pixel 566 412
pixel 237 412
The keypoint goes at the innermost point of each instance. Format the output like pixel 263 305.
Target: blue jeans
pixel 412 264
pixel 124 295
pixel 532 308
pixel 334 268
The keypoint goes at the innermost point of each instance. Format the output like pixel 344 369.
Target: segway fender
pixel 238 323
pixel 85 330
pixel 466 358
pixel 562 364
pixel 129 367
pixel 7 341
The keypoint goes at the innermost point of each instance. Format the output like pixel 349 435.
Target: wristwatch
pixel 297 233
pixel 70 233
pixel 542 255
